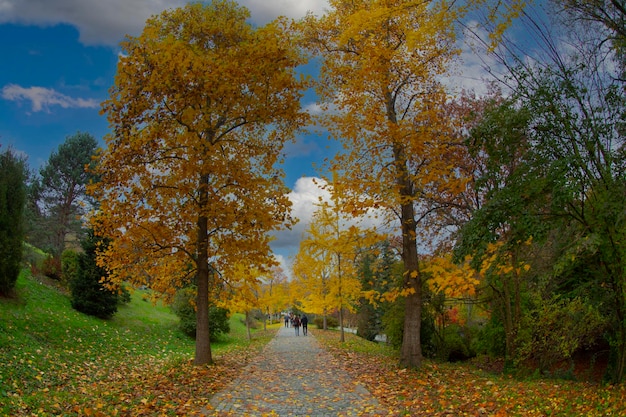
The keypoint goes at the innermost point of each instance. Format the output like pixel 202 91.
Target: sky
pixel 59 60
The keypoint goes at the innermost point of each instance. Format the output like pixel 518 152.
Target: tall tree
pixel 13 176
pixel 381 65
pixel 62 189
pixel 202 105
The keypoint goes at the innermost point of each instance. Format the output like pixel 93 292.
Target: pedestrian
pixel 305 324
pixel 286 320
pixel 296 325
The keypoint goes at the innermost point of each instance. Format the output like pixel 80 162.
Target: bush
pixel 69 265
pixel 455 346
pixel 393 322
pixel 184 307
pixel 52 268
pixel 331 322
pixel 88 293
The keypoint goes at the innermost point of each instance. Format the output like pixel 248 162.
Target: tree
pixel 332 240
pixel 376 272
pixel 202 105
pixel 381 63
pixel 564 123
pixel 89 291
pixel 183 305
pixel 62 190
pixel 273 293
pixel 13 176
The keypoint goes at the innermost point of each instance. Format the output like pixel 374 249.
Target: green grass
pixel 50 354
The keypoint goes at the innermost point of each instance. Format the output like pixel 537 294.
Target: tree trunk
pixel 203 342
pixel 342 337
pixel 411 351
pixel 248 326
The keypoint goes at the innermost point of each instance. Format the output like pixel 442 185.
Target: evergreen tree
pixel 13 175
pixel 61 192
pixel 90 295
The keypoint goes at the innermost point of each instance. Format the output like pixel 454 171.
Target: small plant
pixel 52 268
pixel 184 307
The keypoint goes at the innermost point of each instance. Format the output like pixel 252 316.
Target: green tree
pixel 556 162
pixel 61 191
pixel 375 270
pixel 90 293
pixel 183 306
pixel 13 176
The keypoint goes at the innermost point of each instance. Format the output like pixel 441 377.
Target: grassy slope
pixel 56 361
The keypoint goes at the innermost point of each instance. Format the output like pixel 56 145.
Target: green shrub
pixel 88 293
pixel 393 322
pixel 69 265
pixel 184 307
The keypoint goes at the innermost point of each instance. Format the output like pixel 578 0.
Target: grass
pixel 57 361
pixel 444 389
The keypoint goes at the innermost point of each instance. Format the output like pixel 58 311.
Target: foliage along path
pixel 293 376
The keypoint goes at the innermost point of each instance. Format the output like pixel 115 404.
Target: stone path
pixel 294 376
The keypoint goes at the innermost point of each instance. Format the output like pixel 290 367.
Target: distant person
pixel 286 320
pixel 296 325
pixel 305 324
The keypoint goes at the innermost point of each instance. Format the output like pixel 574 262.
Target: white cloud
pixel 107 22
pixel 305 198
pixel 42 98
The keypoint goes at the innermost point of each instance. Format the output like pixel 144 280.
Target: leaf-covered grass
pixel 56 361
pixel 464 390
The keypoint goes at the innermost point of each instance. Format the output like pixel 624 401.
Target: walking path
pixel 293 376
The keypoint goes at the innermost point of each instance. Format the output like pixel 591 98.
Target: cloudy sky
pixel 58 62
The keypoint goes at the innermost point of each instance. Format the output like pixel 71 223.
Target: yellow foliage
pixel 200 110
pixel 451 279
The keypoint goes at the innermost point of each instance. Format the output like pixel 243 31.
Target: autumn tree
pixel 62 192
pixel 381 66
pixel 312 270
pixel 336 240
pixel 273 292
pixel 202 105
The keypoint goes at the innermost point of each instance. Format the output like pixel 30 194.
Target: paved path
pixel 294 376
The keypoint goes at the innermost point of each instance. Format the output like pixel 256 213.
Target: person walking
pixel 305 324
pixel 286 320
pixel 296 324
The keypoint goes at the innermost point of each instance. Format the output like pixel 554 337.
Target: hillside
pixel 52 356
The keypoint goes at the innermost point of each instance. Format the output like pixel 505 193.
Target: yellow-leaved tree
pixel 274 294
pixel 380 81
pixel 327 262
pixel 201 108
pixel 245 292
pixel 381 64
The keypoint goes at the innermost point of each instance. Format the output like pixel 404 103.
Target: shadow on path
pixel 294 376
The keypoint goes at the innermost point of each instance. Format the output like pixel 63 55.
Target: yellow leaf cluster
pixel 451 279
